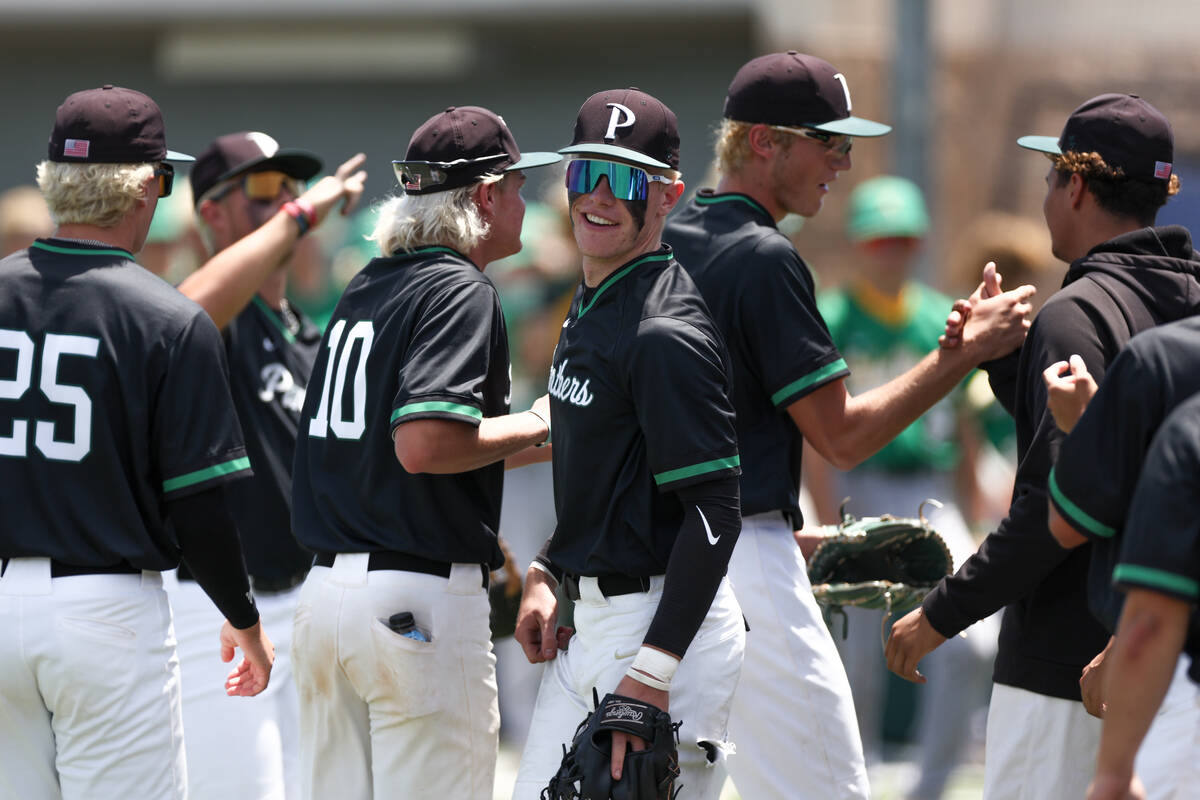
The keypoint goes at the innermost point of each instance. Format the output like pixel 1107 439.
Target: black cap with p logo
pixel 627 125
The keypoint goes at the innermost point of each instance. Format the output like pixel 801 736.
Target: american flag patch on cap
pixel 1162 170
pixel 78 148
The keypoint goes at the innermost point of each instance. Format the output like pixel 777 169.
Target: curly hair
pixel 1136 198
pixel 91 194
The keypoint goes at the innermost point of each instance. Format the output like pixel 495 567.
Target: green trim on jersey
pixel 424 251
pixel 81 251
pixel 1159 579
pixel 1076 513
pixel 697 469
pixel 808 380
pixel 201 475
pixel 271 315
pixel 703 200
pixel 616 276
pixel 448 408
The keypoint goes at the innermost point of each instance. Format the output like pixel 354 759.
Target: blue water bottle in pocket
pixel 402 622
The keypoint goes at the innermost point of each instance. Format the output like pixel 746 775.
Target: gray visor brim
pixel 853 126
pixel 531 160
pixel 611 151
pixel 1043 144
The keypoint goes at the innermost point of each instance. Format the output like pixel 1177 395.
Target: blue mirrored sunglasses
pixel 624 181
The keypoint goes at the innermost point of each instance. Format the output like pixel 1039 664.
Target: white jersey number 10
pixel 336 371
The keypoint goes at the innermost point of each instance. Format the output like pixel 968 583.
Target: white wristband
pixel 545 422
pixel 654 668
pixel 540 567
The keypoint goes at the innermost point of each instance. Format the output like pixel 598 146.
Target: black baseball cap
pixel 1127 132
pixel 110 125
pixel 244 152
pixel 629 125
pixel 459 146
pixel 796 90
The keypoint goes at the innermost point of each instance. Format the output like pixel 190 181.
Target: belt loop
pixel 589 591
pixel 27 576
pixel 151 579
pixel 350 569
pixel 464 579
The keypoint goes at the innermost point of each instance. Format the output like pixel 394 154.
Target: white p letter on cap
pixel 615 120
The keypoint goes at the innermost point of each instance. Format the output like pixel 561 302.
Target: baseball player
pixel 786 135
pixel 252 205
pixel 645 466
pixel 1107 446
pixel 398 480
pixel 1159 568
pixel 1110 173
pixel 117 418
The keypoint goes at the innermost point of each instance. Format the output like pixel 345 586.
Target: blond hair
pixel 408 221
pixel 92 194
pixel 733 144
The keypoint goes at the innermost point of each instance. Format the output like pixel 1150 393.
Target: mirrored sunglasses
pixel 837 143
pixel 624 181
pixel 165 173
pixel 263 186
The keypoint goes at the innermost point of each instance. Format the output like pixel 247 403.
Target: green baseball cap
pixel 885 207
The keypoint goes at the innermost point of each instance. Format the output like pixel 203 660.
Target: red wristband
pixel 309 210
pixel 303 220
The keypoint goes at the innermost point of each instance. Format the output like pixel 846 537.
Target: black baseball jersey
pixel 639 405
pixel 114 398
pixel 1161 548
pixel 269 369
pixel 1157 371
pixel 761 296
pixel 416 335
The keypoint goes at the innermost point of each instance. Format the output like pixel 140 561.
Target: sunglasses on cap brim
pixel 626 182
pixel 262 186
pixel 422 175
pixel 165 173
pixel 837 143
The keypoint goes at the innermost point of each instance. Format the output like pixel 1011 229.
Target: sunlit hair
pixel 733 144
pixel 408 221
pixel 91 194
pixel 1136 198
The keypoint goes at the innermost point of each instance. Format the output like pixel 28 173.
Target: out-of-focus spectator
pixel 23 218
pixel 883 322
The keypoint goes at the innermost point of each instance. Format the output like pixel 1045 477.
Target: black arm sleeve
pixel 711 524
pixel 212 550
pixel 543 558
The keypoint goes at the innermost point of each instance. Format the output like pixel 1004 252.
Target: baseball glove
pixel 877 562
pixel 586 769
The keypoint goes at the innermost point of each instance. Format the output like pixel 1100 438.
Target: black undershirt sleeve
pixel 711 524
pixel 543 558
pixel 212 551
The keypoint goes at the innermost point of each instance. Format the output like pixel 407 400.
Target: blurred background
pixel 960 81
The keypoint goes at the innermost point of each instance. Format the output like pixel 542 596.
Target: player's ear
pixel 485 197
pixel 670 196
pixel 760 140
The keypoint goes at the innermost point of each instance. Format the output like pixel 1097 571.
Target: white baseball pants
pixel 608 633
pixel 89 687
pixel 244 747
pixel 793 714
pixel 1038 746
pixel 384 716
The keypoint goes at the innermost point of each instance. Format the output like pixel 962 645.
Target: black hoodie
pixel 1122 286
